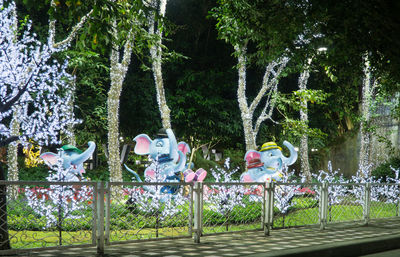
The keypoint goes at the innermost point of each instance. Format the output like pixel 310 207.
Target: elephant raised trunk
pixel 173 146
pixel 293 154
pixel 75 160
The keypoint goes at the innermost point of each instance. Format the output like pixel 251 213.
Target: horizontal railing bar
pixel 296 184
pixel 147 239
pixel 93 183
pixel 77 183
pixel 231 232
pixel 385 184
pixel 150 184
pixel 347 184
pixel 233 183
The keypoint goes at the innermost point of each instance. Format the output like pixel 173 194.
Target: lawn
pixel 126 225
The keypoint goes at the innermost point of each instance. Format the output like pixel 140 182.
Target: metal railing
pixel 47 214
pixel 39 215
pixel 138 211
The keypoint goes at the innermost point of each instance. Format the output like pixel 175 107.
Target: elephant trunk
pixel 173 145
pixel 85 155
pixel 134 173
pixel 293 154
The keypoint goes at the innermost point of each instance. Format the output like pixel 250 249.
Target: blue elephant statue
pixel 72 159
pixel 168 158
pixel 266 165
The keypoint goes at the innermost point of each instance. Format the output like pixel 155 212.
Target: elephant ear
pixel 49 158
pixel 183 147
pixel 143 143
pixel 251 155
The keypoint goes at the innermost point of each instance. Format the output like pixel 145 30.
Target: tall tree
pixel 123 39
pixel 234 23
pixel 364 40
pixel 32 83
pixel 54 47
pixel 268 90
pixel 368 90
pixel 302 82
pixel 156 29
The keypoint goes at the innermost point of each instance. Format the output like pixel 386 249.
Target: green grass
pixel 127 225
pixel 36 239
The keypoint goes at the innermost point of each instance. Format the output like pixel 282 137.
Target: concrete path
pixel 337 240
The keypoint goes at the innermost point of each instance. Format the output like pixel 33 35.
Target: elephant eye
pixel 160 143
pixel 270 154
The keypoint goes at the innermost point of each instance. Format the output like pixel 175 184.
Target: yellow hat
pixel 268 146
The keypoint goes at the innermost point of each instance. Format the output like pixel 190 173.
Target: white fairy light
pixel 153 199
pixel 59 201
pixel 223 198
pixel 37 81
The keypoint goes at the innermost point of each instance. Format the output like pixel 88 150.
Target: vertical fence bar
pixel 100 218
pixel 198 188
pixel 269 207
pixel 190 230
pixel 367 203
pixel 94 215
pixel 107 193
pixel 323 205
pixel 398 202
pixel 263 214
pixel 201 208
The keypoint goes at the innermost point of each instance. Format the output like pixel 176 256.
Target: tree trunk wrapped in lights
pixel 268 90
pixel 12 155
pixel 34 83
pixel 304 162
pixel 156 57
pixel 366 101
pixel 118 72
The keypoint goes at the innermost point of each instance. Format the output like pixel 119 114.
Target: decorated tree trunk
pixel 367 93
pixel 267 91
pixel 247 117
pixel 12 155
pixel 33 83
pixel 70 128
pixel 117 74
pixel 156 56
pixel 304 162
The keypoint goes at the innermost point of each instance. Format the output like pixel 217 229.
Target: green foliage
pixel 197 112
pixel 236 157
pixel 289 103
pixel 91 71
pixel 272 26
pixel 101 173
pixel 38 173
pixel 200 162
pixel 384 170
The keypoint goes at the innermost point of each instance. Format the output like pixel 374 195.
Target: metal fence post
pixel 94 215
pixel 190 230
pixel 100 218
pixel 398 201
pixel 367 203
pixel 323 205
pixel 269 207
pixel 107 193
pixel 198 197
pixel 264 196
